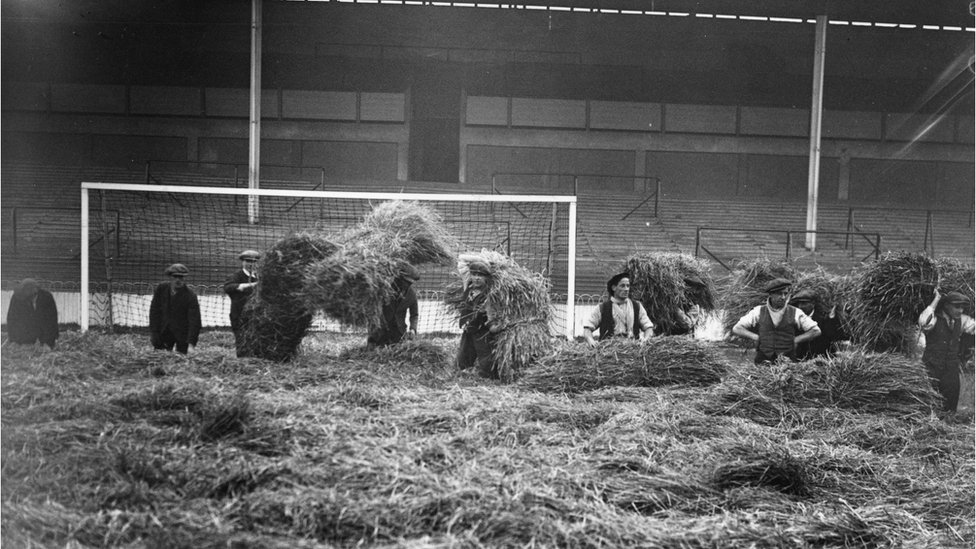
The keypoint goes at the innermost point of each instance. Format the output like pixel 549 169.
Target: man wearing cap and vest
pixel 619 316
pixel 174 313
pixel 240 287
pixel 32 315
pixel 776 327
pixel 397 310
pixel 943 324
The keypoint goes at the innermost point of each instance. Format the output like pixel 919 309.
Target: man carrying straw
pixel 619 316
pixel 478 332
pixel 396 310
pixel 776 326
pixel 943 324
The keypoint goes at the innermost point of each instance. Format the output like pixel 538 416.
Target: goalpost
pixel 131 233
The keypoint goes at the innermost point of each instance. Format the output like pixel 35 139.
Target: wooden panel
pixel 772 121
pixel 851 125
pixel 24 96
pixel 318 105
pixel 87 98
pixel 620 115
pixel 487 111
pixel 919 127
pixel 699 118
pixel 548 113
pixel 382 107
pixel 236 102
pixel 165 100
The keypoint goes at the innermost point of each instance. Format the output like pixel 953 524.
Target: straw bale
pixel 276 318
pixel 887 295
pixel 515 299
pixel 575 368
pixel 410 353
pixel 660 280
pixel 415 233
pixel 956 276
pixel 743 290
pixel 759 463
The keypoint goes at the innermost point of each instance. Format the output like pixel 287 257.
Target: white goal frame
pixel 257 193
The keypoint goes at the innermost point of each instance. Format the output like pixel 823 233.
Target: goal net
pixel 131 233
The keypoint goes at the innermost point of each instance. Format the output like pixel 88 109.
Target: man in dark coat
pixel 174 313
pixel 396 311
pixel 776 327
pixel 831 329
pixel 33 315
pixel 943 324
pixel 240 287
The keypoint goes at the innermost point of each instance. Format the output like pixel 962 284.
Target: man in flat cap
pixel 619 316
pixel 478 333
pixel 240 287
pixel 33 315
pixel 831 329
pixel 943 324
pixel 397 310
pixel 174 313
pixel 776 326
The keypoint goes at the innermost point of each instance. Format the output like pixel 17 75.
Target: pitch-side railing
pixel 700 246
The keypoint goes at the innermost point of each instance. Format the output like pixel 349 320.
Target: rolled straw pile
pixel 885 298
pixel 276 317
pixel 352 284
pixel 515 299
pixel 575 368
pixel 667 283
pixel 881 383
pixel 744 288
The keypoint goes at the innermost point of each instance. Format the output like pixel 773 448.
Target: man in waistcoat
pixel 174 313
pixel 619 316
pixel 240 287
pixel 776 326
pixel 943 324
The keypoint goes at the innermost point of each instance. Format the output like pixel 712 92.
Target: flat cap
pixel 176 269
pixel 249 254
pixel 956 297
pixel 804 295
pixel 777 285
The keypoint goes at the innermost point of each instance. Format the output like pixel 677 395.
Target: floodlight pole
pixel 254 131
pixel 816 119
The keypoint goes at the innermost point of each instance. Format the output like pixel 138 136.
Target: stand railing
pixel 644 179
pixel 700 247
pixel 928 238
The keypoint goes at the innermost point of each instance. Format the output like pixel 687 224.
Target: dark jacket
pixel 30 320
pixel 395 318
pixel 238 298
pixel 942 344
pixel 179 313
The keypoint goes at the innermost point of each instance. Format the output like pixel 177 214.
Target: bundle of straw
pixel 575 368
pixel 352 284
pixel 759 463
pixel 668 283
pixel 885 298
pixel 276 318
pixel 881 383
pixel 827 288
pixel 744 288
pixel 956 276
pixel 517 300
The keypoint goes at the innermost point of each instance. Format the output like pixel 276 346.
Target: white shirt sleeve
pixel 926 320
pixel 594 321
pixel 750 320
pixel 642 318
pixel 804 321
pixel 968 325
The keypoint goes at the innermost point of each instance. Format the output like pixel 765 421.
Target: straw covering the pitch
pixel 575 368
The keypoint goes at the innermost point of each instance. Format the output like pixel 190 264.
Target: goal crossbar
pixel 569 200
